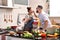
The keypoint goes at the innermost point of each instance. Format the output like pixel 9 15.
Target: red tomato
pixel 43 35
pixel 35 23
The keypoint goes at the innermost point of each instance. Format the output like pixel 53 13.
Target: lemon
pixel 56 34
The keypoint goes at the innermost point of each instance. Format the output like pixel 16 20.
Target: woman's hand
pixel 25 20
pixel 35 14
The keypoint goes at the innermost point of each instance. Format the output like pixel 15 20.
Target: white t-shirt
pixel 43 17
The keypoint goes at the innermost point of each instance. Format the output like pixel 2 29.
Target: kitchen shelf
pixel 7 7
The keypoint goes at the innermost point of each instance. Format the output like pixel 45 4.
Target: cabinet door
pixel 0 37
pixel 4 2
pixel 0 2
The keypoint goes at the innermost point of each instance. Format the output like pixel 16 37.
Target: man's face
pixel 38 10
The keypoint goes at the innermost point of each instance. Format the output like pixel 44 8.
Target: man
pixel 45 22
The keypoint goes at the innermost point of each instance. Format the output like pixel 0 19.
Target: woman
pixel 29 20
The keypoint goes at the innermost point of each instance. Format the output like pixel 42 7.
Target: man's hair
pixel 28 9
pixel 39 6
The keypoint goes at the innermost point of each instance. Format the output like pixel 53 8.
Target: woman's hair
pixel 28 9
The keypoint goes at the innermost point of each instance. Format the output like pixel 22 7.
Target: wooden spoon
pixel 11 18
pixel 5 20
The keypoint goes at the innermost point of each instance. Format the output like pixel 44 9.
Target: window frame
pixel 21 4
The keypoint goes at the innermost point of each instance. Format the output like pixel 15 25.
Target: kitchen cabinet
pixel 21 2
pixel 10 3
pixel 3 2
pixel 0 2
pixel 0 37
pixel 6 3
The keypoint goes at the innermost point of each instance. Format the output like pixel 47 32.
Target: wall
pixel 55 8
pixel 56 19
pixel 35 3
pixel 19 10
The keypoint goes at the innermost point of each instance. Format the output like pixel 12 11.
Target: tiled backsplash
pixel 14 15
pixel 7 12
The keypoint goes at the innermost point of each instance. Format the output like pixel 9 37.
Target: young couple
pixel 45 22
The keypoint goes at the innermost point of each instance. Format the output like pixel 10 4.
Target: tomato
pixel 43 35
pixel 35 23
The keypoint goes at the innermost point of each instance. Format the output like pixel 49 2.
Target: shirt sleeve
pixel 45 17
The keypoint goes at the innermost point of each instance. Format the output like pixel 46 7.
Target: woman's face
pixel 30 11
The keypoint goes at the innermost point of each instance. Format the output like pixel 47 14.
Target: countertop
pixel 21 38
pixel 39 38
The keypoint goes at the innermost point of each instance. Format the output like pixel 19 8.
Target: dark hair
pixel 28 9
pixel 39 6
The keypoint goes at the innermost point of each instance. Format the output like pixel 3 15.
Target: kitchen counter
pixel 9 37
pixel 3 33
pixel 39 38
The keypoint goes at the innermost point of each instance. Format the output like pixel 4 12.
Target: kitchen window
pixel 22 2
